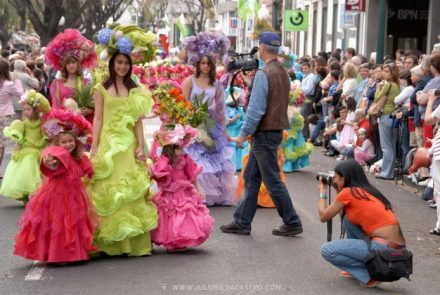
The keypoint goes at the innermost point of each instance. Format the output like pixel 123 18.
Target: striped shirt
pixel 436 143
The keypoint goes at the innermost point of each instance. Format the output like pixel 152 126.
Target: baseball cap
pixel 270 38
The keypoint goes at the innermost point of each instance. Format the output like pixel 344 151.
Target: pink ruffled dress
pixel 184 220
pixel 58 222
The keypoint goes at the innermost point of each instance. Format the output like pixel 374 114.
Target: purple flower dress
pixel 217 179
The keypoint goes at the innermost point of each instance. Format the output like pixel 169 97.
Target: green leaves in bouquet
pixel 201 115
pixel 84 96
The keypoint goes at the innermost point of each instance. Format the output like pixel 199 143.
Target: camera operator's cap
pixel 270 38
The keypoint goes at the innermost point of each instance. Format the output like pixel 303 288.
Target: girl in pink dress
pixel 184 220
pixel 58 222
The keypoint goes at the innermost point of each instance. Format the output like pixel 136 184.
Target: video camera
pixel 243 61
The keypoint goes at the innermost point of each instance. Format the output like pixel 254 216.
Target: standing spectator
pixel 28 82
pixel 419 80
pixel 349 53
pixel 9 91
pixel 422 98
pixel 433 117
pixel 389 88
pixel 349 83
pixel 364 74
pixel 399 54
pixel 403 99
pixel 308 86
pixel 410 62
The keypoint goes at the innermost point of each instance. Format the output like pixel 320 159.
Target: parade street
pixel 232 264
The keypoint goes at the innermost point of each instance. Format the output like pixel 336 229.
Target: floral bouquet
pixel 174 109
pixel 296 97
pixel 215 44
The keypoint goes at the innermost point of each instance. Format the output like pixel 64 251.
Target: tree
pixel 84 15
pixel 202 10
pixel 151 12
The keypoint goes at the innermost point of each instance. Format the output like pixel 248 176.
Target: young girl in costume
pixel 22 176
pixel 296 151
pixel 235 117
pixel 184 220
pixel 58 222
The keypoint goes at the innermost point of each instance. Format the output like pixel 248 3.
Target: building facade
pixel 409 25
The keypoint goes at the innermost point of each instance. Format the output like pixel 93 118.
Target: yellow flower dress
pixel 120 186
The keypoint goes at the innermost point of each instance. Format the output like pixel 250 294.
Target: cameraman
pixel 368 216
pixel 266 118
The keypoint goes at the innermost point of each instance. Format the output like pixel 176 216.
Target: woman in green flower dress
pixel 120 186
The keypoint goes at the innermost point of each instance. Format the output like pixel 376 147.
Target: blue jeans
pixel 320 126
pixel 387 143
pixel 349 254
pixel 263 166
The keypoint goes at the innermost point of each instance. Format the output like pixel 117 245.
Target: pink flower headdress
pixel 215 44
pixel 59 120
pixel 178 134
pixel 71 42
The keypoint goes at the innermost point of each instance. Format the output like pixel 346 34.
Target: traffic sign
pixel 296 20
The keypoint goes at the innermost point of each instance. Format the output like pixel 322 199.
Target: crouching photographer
pixel 374 250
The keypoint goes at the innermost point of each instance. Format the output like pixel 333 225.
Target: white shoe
pixel 424 183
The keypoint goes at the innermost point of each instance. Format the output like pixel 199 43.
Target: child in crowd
pixel 58 222
pixel 22 176
pixel 184 220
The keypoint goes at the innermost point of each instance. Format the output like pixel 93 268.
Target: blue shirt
pixel 257 104
pixel 308 84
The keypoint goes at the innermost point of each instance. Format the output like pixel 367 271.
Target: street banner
pixel 233 26
pixel 248 8
pixel 296 20
pixel 249 26
pixel 355 5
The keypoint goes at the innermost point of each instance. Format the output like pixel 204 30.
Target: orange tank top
pixel 370 214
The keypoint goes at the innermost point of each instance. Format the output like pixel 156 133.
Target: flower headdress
pixel 176 134
pixel 71 42
pixel 215 44
pixel 36 100
pixel 58 120
pixel 130 40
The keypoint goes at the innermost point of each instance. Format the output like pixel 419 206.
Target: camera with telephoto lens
pixel 243 61
pixel 326 177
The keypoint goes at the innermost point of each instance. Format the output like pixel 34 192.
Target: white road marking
pixel 36 271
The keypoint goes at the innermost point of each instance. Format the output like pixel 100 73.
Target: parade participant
pixel 22 176
pixel 235 117
pixel 369 216
pixel 217 177
pixel 184 220
pixel 296 151
pixel 58 222
pixel 8 92
pixel 265 121
pixel 70 52
pixel 120 186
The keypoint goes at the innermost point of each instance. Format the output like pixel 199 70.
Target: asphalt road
pixel 229 264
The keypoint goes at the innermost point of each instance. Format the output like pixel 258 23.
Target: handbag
pixel 389 265
pixel 376 108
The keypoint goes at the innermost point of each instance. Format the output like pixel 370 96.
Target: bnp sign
pixel 296 20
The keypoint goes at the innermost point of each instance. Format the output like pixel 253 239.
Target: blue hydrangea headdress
pixel 130 40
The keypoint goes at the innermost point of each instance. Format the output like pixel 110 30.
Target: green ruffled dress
pixel 120 186
pixel 22 176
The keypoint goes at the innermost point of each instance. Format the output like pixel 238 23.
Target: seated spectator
pixel 364 149
pixel 347 134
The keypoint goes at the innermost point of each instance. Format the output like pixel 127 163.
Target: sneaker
pixel 371 284
pixel 433 205
pixel 233 228
pixel 424 182
pixel 346 274
pixel 287 230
